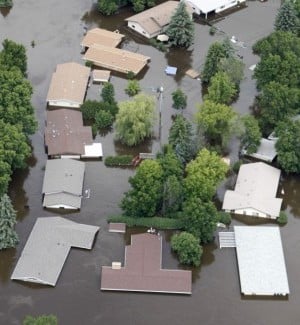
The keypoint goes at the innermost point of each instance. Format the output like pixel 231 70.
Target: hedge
pixel 155 222
pixel 122 160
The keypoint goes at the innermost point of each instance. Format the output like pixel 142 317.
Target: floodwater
pixel 57 28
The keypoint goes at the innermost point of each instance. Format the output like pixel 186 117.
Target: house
pixel 63 182
pixel 204 7
pixel 68 85
pixel 153 21
pixel 66 137
pixel 142 271
pixel 101 36
pixel 255 192
pixel 266 150
pixel 260 259
pixel 116 59
pixel 48 247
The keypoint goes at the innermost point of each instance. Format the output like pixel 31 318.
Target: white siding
pixel 251 212
pixel 138 28
pixel 63 103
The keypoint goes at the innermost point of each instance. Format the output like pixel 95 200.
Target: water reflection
pixel 5 11
pixel 7 258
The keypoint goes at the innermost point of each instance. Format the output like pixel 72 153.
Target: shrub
pixel 123 160
pixel 224 217
pixel 88 63
pixel 236 166
pixel 133 87
pixel 89 109
pixel 282 219
pixel 103 119
pixel 130 75
pixel 212 30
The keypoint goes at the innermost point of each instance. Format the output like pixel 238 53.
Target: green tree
pixel 217 122
pixel 89 109
pixel 135 119
pixel 181 138
pixel 5 174
pixel 288 146
pixel 144 197
pixel 108 93
pixel 107 7
pixel 133 87
pixel 40 320
pixel 13 56
pixel 6 3
pixel 221 89
pixel 286 18
pixel 181 30
pixel 276 103
pixel 251 135
pixel 200 219
pixel 203 175
pixel 187 248
pixel 103 119
pixel 15 100
pixel 234 68
pixel 8 236
pixel 179 99
pixel 216 52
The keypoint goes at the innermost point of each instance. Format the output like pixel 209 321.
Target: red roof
pixel 142 270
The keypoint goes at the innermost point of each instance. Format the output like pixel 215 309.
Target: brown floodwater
pixel 57 28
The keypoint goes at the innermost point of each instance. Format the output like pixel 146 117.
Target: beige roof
pixel 102 37
pixel 69 83
pixel 116 59
pixel 65 133
pixel 101 75
pixel 154 19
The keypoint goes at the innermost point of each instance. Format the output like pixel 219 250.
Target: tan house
pixel 68 85
pixel 116 59
pixel 152 22
pixel 102 37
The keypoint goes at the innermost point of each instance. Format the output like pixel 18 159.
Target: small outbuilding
pixel 266 150
pixel 63 182
pixel 68 85
pixel 48 247
pixel 255 192
pixel 101 75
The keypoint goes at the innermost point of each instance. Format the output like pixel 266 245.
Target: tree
pixel 144 198
pixel 8 236
pixel 187 248
pixel 181 138
pixel 203 175
pixel 89 109
pixel 133 87
pixel 40 320
pixel 108 93
pixel 179 99
pixel 288 146
pixel 15 100
pixel 200 219
pixel 276 103
pixel 135 119
pixel 5 175
pixel 6 3
pixel 107 7
pixel 286 18
pixel 234 68
pixel 251 136
pixel 103 119
pixel 216 52
pixel 217 122
pixel 13 56
pixel 221 89
pixel 181 30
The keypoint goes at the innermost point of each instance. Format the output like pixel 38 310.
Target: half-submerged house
pixel 260 259
pixel 266 151
pixel 153 21
pixel 68 85
pixel 66 137
pixel 63 182
pixel 48 247
pixel 204 7
pixel 142 270
pixel 255 192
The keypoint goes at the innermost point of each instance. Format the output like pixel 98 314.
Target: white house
pixel 255 192
pixel 209 6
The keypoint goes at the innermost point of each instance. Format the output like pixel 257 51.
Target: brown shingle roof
pixel 65 133
pixel 116 59
pixel 69 83
pixel 101 36
pixel 142 270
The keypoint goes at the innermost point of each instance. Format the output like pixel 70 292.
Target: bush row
pixel 122 160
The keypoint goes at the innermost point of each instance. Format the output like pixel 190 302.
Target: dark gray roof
pixel 48 246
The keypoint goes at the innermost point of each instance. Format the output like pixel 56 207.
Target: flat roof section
pixel 117 227
pixel 261 261
pixel 142 270
pixel 48 246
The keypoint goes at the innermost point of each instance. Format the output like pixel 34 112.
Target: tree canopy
pixel 179 99
pixel 181 30
pixel 286 18
pixel 40 320
pixel 234 68
pixel 251 135
pixel 107 7
pixel 144 197
pixel 8 236
pixel 187 248
pixel 135 119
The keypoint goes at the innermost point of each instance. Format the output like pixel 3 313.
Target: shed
pixel 171 71
pixel 48 247
pixel 101 75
